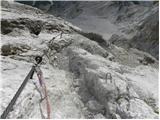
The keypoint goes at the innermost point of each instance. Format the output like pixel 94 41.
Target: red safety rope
pixel 44 88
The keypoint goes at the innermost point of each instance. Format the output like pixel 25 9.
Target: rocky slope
pixel 134 22
pixel 85 79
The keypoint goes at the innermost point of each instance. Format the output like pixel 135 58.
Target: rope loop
pixel 44 90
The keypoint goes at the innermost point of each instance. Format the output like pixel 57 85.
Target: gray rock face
pixel 84 79
pixel 114 96
pixel 95 107
pixel 120 41
pixel 138 20
pixel 146 35
pixel 117 96
pixel 90 46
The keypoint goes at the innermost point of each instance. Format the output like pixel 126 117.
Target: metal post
pixel 11 104
pixel 109 77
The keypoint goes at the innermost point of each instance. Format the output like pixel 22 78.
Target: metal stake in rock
pixel 109 77
pixel 61 34
pixel 9 108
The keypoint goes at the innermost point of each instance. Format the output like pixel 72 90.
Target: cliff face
pixel 147 37
pixel 136 22
pixel 84 78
